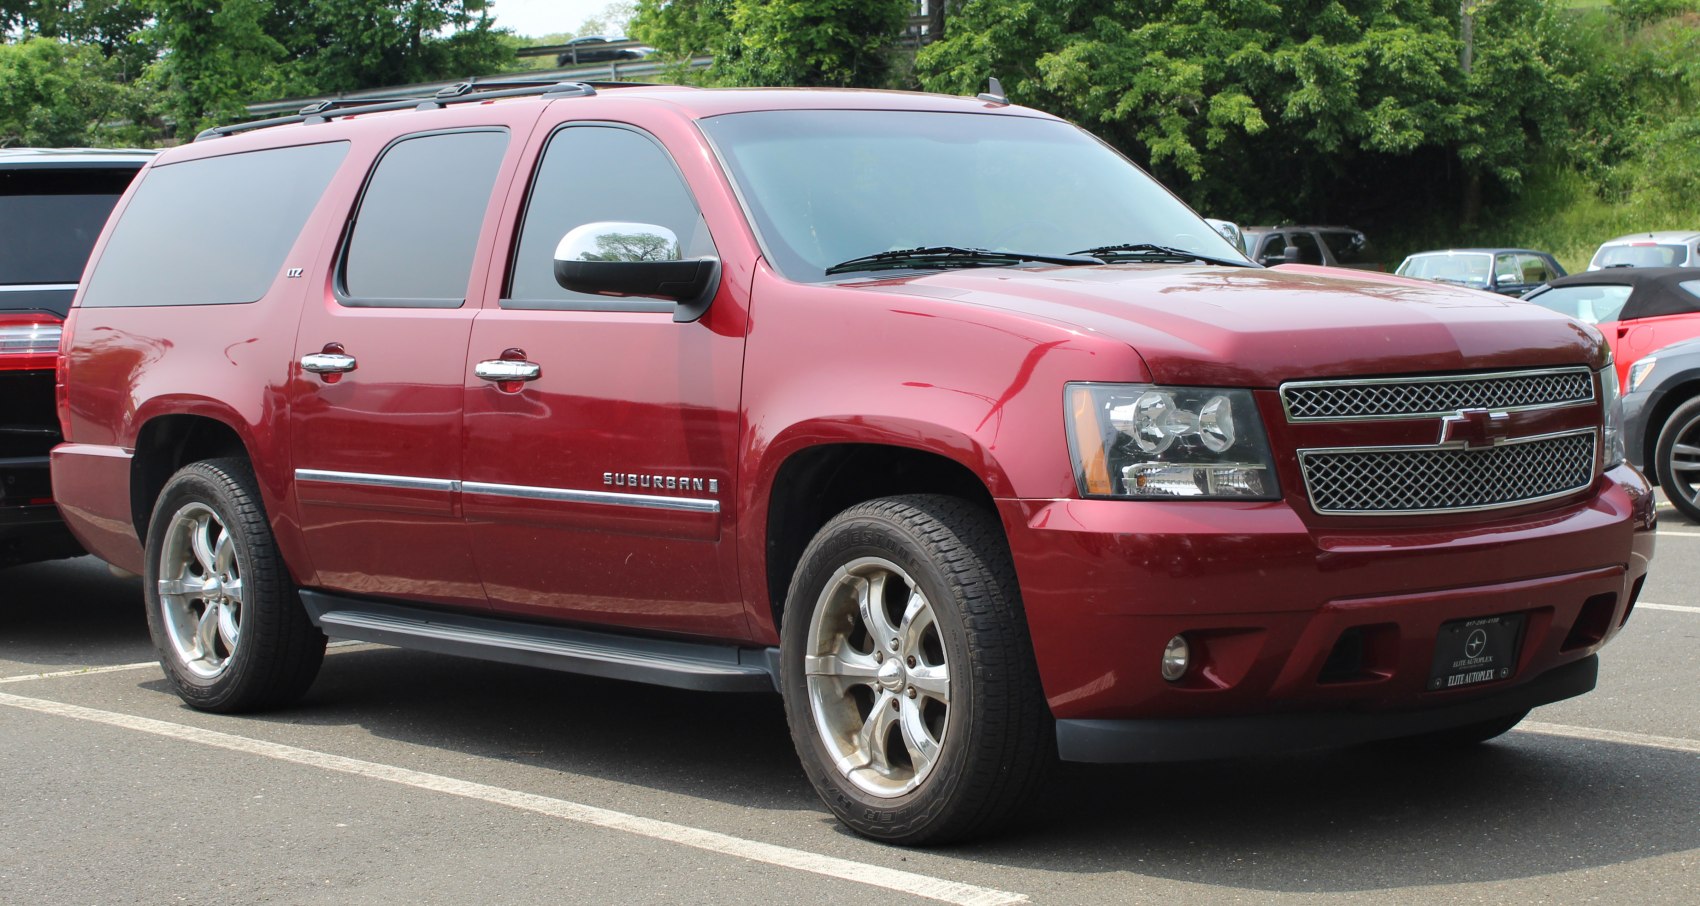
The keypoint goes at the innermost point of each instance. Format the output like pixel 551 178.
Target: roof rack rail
pixel 460 93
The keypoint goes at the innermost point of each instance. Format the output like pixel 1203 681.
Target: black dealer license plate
pixel 1477 650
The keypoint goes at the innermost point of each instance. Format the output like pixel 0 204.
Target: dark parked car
pixel 1661 407
pixel 1639 309
pixel 601 49
pixel 1334 246
pixel 53 203
pixel 1509 272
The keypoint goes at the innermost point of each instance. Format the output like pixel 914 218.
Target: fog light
pixel 1176 657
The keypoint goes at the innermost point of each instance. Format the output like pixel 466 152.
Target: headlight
pixel 1638 372
pixel 1612 431
pixel 1138 440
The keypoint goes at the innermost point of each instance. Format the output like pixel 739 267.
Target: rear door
pixel 602 491
pixel 375 393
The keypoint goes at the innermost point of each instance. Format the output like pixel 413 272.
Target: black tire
pixel 1469 734
pixel 1680 434
pixel 993 732
pixel 276 650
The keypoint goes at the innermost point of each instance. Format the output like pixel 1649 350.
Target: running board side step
pixel 703 666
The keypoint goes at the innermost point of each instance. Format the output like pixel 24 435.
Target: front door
pixel 602 490
pixel 376 390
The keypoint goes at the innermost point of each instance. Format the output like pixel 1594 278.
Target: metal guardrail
pixel 612 71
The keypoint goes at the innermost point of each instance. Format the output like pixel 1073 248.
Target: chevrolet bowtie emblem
pixel 1475 429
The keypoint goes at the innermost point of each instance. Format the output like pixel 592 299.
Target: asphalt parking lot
pixel 407 777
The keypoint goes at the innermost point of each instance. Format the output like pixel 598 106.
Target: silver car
pixel 1670 248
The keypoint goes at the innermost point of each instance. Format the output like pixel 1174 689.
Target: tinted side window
pixel 1535 269
pixel 212 231
pixel 1273 245
pixel 417 227
pixel 1348 246
pixel 599 173
pixel 1505 270
pixel 1309 251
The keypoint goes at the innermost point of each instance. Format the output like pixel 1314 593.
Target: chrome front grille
pixel 1413 480
pixel 1379 398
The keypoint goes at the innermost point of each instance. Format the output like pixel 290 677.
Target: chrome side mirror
pixel 1230 231
pixel 612 258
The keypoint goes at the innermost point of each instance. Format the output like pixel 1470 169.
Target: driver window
pixel 1505 269
pixel 594 173
pixel 1309 251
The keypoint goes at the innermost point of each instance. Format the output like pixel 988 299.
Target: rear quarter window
pixel 212 231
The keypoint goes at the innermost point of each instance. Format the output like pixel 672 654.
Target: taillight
pixel 29 341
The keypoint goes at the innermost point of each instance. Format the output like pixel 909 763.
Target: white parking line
pixel 1674 743
pixel 344 644
pixel 83 671
pixel 799 860
pixel 1677 533
pixel 1643 605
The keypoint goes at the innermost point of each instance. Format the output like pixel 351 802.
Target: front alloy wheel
pixel 909 680
pixel 879 681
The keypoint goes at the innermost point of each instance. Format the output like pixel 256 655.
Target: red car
pixel 1639 309
pixel 934 414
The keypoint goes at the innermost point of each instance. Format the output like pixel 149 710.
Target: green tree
pixel 1262 109
pixel 218 57
pixel 778 42
pixel 682 29
pixel 345 45
pixel 56 94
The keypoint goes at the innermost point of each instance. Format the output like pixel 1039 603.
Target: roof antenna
pixel 993 93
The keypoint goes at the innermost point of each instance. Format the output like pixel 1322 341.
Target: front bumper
pixel 1270 603
pixel 1192 739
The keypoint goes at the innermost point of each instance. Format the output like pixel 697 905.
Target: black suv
pixel 53 203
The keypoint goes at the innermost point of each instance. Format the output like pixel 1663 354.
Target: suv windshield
pixel 50 218
pixel 831 186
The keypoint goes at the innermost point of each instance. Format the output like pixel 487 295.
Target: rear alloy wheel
pixel 231 632
pixel 1676 459
pixel 908 675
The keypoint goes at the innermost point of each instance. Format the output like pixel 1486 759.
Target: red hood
pixel 1249 327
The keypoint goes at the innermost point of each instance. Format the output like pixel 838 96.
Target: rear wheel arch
pixel 167 443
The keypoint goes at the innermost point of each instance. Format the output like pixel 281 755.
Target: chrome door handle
pixel 327 363
pixel 508 370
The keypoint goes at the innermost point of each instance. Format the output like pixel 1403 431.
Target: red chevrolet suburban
pixel 935 414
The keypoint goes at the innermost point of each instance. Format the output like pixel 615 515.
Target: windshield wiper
pixel 1152 250
pixel 949 256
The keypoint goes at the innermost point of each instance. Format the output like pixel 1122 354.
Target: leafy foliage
pixel 810 43
pixel 1274 110
pixel 56 94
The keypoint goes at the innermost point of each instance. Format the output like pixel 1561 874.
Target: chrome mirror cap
pixel 615 241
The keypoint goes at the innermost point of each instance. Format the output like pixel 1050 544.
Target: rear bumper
pixel 1187 739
